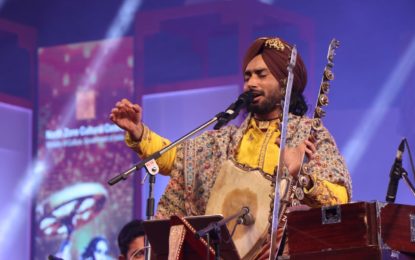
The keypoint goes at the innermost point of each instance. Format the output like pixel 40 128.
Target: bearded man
pixel 195 164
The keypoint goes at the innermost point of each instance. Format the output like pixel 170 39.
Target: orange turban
pixel 276 54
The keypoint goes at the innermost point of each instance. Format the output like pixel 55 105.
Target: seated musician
pixel 195 164
pixel 131 241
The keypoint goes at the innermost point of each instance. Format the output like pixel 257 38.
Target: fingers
pixel 112 114
pixel 310 148
pixel 278 141
pixel 309 154
pixel 136 108
pixel 312 138
pixel 123 104
pixel 125 107
pixel 126 115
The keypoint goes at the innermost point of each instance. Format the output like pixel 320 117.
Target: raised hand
pixel 128 116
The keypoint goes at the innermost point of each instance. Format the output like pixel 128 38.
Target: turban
pixel 276 54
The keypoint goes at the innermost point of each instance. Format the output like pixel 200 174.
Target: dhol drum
pixel 237 187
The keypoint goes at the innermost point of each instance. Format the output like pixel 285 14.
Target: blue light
pixel 12 216
pixel 370 122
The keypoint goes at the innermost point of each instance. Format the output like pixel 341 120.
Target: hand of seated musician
pixel 128 117
pixel 293 156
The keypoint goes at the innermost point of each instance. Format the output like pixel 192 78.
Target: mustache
pixel 256 93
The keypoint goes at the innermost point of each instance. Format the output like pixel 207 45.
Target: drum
pixel 236 187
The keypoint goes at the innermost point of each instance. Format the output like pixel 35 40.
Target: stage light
pixel 364 131
pixel 119 26
pixel 12 216
pixel 2 2
pixel 269 2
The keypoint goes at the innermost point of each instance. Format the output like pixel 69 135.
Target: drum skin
pixel 236 187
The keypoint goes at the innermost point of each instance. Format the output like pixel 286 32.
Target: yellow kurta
pixel 258 149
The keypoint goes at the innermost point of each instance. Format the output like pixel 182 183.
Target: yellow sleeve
pixel 325 193
pixel 150 143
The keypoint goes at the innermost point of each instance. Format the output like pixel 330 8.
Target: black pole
pixel 124 175
pixel 217 238
pixel 149 209
pixel 150 199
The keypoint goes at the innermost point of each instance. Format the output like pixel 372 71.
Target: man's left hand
pixel 293 156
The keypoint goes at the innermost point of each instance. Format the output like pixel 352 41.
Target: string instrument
pixel 237 186
pixel 281 176
pixel 291 188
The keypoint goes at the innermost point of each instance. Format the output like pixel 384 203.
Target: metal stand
pixel 405 177
pixel 213 231
pixel 152 168
pixel 124 175
pixel 222 118
pixel 216 240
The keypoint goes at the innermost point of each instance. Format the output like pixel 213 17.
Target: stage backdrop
pixel 74 207
pixel 371 98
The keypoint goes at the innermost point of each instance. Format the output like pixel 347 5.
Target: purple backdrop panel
pixel 15 158
pixel 372 97
pixel 82 149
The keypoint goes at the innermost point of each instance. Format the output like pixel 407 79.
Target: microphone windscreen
pixel 248 219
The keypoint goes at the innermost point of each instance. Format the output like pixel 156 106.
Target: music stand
pixel 158 232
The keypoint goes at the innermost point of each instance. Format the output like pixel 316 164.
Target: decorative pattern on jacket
pixel 198 162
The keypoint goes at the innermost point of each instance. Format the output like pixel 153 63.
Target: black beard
pixel 264 108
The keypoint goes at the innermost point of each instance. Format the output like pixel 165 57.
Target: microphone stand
pixel 152 169
pixel 405 177
pixel 124 175
pixel 150 204
pixel 400 172
pixel 223 118
pixel 213 230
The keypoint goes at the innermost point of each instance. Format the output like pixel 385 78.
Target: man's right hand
pixel 128 116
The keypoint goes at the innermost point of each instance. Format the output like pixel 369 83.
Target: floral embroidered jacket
pixel 198 161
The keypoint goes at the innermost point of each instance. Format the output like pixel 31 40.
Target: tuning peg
pixel 299 193
pixel 319 112
pixel 325 86
pixel 317 124
pixel 323 100
pixel 295 202
pixel 328 74
pixel 336 43
pixel 304 180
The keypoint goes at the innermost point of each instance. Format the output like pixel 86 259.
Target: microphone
pixel 246 218
pixel 242 217
pixel 233 110
pixel 395 174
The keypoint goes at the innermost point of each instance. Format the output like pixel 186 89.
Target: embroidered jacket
pixel 196 162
